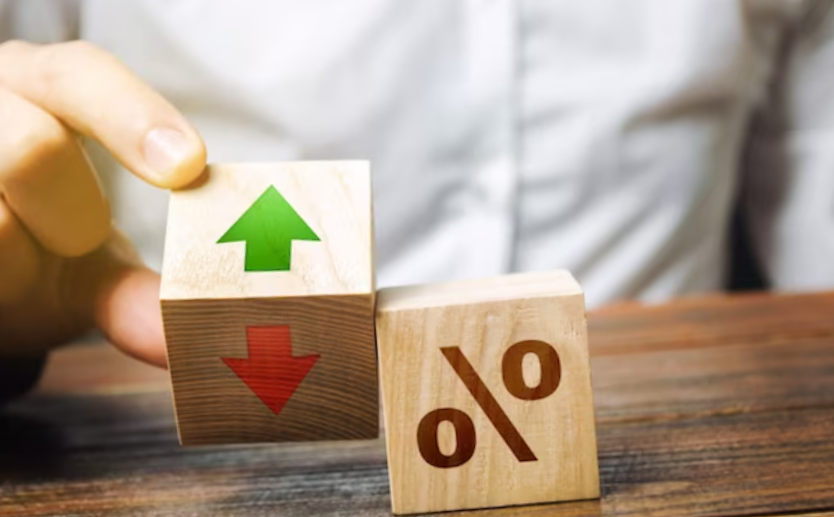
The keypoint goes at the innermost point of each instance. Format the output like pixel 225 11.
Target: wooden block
pixel 487 393
pixel 268 301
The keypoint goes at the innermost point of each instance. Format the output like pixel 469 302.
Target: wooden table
pixel 721 406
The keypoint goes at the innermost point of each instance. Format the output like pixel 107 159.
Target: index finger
pixel 92 92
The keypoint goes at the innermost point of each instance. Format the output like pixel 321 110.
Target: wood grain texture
pixel 333 198
pixel 718 406
pixel 210 303
pixel 337 400
pixel 543 450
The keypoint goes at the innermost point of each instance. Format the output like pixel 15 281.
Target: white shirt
pixel 607 137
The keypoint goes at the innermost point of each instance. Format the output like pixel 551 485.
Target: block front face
pixel 266 230
pixel 268 302
pixel 487 403
pixel 233 383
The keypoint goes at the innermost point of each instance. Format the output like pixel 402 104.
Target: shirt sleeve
pixel 788 188
pixel 19 375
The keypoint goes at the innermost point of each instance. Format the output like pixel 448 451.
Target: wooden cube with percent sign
pixel 487 393
pixel 268 303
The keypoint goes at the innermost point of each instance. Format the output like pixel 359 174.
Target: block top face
pixel 524 285
pixel 271 230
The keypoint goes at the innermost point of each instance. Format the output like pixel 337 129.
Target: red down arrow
pixel 271 371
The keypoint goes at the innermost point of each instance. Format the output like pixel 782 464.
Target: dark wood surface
pixel 716 406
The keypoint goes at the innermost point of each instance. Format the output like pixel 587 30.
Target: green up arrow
pixel 268 227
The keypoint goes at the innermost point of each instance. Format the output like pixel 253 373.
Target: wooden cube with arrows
pixel 268 302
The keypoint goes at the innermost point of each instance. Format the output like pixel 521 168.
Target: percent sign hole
pixel 513 375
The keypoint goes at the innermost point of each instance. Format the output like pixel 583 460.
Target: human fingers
pixel 19 258
pixel 91 91
pixel 129 315
pixel 47 180
pixel 111 289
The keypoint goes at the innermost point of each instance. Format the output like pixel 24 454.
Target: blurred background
pixel 656 149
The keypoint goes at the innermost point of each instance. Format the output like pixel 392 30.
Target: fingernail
pixel 165 149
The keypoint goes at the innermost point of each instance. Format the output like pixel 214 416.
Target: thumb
pixel 113 289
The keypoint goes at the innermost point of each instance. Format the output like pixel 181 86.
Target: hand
pixel 63 267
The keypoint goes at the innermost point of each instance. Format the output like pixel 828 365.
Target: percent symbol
pixel 512 372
